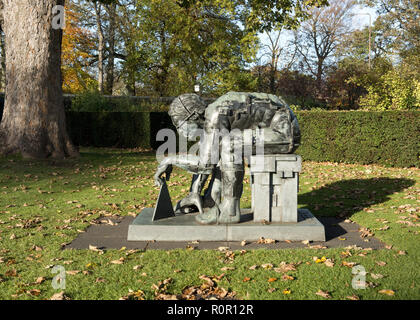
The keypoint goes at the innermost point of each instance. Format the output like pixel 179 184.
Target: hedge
pixel 390 138
pixel 109 129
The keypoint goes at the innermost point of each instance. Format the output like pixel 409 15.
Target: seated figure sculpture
pixel 233 113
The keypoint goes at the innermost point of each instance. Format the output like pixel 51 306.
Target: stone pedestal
pixel 185 228
pixel 275 183
pixel 274 213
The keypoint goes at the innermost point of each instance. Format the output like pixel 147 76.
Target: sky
pixel 360 20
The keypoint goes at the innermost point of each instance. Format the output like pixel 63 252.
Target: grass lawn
pixel 44 205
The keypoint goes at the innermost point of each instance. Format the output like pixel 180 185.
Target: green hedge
pixel 390 138
pixel 109 129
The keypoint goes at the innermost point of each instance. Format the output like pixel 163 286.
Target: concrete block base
pixel 185 228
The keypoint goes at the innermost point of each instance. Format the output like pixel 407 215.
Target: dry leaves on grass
pixel 59 296
pixel 287 291
pixel 388 292
pixel 119 261
pixel 39 280
pixel 348 264
pixel 11 273
pixel 207 290
pixel 227 268
pixel 365 233
pixel 324 294
pixel 285 267
pixel 34 292
pixel 94 248
pixel 286 277
pixel 134 295
pixel 72 272
pixel 262 240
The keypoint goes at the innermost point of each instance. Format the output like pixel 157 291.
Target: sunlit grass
pixel 44 205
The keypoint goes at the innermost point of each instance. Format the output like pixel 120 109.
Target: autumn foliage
pixel 77 47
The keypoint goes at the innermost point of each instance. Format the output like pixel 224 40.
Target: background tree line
pixel 162 48
pixel 159 48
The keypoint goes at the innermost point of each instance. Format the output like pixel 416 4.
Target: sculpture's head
pixel 187 114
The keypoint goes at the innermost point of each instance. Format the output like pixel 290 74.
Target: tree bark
pixel 101 46
pixel 111 8
pixel 33 121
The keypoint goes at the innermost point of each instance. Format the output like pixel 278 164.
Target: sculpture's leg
pixel 232 173
pixel 213 192
pixel 230 211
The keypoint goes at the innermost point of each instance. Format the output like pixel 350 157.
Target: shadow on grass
pixel 344 198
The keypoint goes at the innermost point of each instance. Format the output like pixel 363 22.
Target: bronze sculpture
pixel 231 114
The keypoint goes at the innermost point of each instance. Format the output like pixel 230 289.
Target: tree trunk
pixel 101 46
pixel 111 8
pixel 33 121
pixel 2 62
pixel 320 64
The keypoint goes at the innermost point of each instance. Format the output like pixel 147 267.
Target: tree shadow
pixel 344 198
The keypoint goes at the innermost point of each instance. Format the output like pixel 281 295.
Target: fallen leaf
pixel 329 263
pixel 388 292
pixel 285 267
pixel 286 277
pixel 227 268
pixel 59 296
pixel 348 264
pixel 11 273
pixel 353 297
pixel 94 248
pixel 119 261
pixel 40 280
pixel 246 279
pixel 72 272
pixel 323 294
pixel 34 292
pixel 262 240
pixel 272 279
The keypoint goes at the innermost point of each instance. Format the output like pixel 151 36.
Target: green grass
pixel 45 204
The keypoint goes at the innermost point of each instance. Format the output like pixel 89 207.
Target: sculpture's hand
pixel 163 168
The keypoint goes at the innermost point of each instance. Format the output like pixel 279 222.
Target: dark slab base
pixel 339 234
pixel 185 228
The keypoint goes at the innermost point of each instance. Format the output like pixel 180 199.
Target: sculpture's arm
pixel 187 162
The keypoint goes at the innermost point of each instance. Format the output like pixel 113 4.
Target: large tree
pixel 320 35
pixel 33 121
